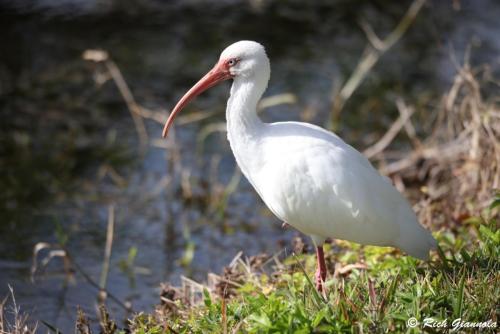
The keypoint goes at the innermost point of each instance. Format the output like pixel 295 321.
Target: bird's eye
pixel 232 61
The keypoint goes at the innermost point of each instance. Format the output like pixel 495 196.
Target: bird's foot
pixel 319 278
pixel 285 225
pixel 320 269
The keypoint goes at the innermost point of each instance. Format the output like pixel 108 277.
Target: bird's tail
pixel 417 241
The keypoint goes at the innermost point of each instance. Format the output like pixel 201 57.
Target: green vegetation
pixel 461 281
pixel 369 289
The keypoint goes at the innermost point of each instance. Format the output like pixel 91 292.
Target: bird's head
pixel 245 59
pixel 241 61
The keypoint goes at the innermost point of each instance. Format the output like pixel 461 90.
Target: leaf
pixel 458 305
pixel 319 317
pixel 473 221
pixel 496 201
pixel 132 253
pixel 318 298
pixel 207 300
pixel 188 255
pixel 444 260
pixel 262 319
pixel 51 327
pixel 388 297
pixel 493 236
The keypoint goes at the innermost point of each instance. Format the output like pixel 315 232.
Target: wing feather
pixel 320 185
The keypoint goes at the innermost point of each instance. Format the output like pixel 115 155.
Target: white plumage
pixel 307 176
pixel 325 188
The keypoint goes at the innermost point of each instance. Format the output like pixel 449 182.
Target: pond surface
pixel 69 149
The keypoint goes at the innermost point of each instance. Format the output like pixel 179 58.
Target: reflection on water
pixel 69 148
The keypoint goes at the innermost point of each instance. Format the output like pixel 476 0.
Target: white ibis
pixel 307 176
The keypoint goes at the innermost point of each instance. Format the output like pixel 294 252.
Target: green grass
pixel 461 281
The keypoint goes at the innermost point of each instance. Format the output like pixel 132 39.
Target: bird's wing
pixel 322 186
pixel 307 132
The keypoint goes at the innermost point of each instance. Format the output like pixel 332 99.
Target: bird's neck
pixel 244 126
pixel 241 112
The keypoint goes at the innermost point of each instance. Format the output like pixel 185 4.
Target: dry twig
pixel 135 110
pixel 460 160
pixel 107 252
pixel 371 55
pixel 389 135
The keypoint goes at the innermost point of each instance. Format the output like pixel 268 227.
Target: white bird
pixel 307 176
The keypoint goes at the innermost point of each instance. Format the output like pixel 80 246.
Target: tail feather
pixel 416 241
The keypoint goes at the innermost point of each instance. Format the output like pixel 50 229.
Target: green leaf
pixel 458 305
pixel 496 201
pixel 188 255
pixel 489 234
pixel 319 317
pixel 207 300
pixel 465 255
pixel 132 253
pixel 261 319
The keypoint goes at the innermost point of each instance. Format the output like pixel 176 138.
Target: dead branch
pixel 371 55
pixel 459 161
pixel 117 76
pixel 389 135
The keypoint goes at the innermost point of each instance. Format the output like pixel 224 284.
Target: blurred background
pixel 73 160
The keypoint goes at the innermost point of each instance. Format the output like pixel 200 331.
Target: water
pixel 59 129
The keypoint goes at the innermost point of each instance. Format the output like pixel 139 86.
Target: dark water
pixel 59 128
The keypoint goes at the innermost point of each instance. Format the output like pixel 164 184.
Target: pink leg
pixel 320 269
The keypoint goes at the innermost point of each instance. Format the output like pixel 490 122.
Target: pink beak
pixel 219 73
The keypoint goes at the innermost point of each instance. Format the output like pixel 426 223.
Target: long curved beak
pixel 219 73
